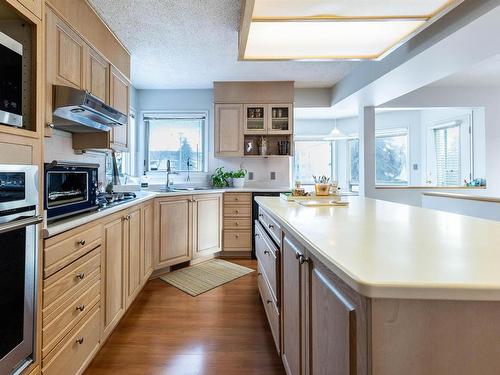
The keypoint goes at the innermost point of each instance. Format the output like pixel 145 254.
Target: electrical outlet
pixel 250 175
pixel 415 167
pixel 273 175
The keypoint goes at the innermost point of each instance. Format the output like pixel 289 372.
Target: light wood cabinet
pixel 255 118
pixel 97 75
pixel 119 99
pixel 114 273
pixel 237 237
pixel 229 130
pixel 292 307
pixel 148 244
pixel 174 238
pixel 207 224
pixel 34 6
pixel 133 247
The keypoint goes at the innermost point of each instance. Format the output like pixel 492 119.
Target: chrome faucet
pixel 189 165
pixel 169 172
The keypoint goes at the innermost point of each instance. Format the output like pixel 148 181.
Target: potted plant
pixel 220 178
pixel 239 178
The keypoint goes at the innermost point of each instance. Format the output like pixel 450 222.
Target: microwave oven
pixel 11 81
pixel 70 189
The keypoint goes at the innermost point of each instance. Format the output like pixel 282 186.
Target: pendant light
pixel 335 134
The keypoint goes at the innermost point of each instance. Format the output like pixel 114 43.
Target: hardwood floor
pixel 167 332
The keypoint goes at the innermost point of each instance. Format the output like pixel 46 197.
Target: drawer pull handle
pixel 81 242
pixel 259 274
pixel 80 276
pixel 79 340
pixel 269 301
pixel 256 235
pixel 303 259
pixel 127 218
pixel 266 252
pixel 236 223
pixel 80 308
pixel 237 235
pixel 298 255
pixel 271 226
pixel 261 215
pixel 236 199
pixel 237 211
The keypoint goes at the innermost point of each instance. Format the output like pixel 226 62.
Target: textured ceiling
pixel 191 43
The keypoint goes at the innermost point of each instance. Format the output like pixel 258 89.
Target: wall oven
pixel 70 188
pixel 18 265
pixel 11 81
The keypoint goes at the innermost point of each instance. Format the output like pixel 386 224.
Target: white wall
pixel 202 100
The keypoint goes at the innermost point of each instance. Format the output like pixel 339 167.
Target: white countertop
pixel 141 196
pixel 389 250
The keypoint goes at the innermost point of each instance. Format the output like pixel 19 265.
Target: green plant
pixel 240 173
pixel 220 178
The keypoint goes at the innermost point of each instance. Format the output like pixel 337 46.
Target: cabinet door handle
pixel 303 259
pixel 298 255
pixel 80 276
pixel 269 301
pixel 271 226
pixel 261 215
pixel 256 235
pixel 79 340
pixel 81 242
pixel 80 308
pixel 266 252
pixel 259 274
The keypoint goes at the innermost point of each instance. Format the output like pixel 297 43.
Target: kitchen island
pixel 383 288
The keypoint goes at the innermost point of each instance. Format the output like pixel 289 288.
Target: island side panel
pixel 415 337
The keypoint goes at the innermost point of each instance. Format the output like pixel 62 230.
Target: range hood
pixel 78 111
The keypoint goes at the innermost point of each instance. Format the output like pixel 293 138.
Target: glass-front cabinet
pixel 255 118
pixel 280 119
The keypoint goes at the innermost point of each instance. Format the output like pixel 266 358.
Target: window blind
pixel 447 151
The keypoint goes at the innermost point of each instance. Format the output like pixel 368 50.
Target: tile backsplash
pixel 59 147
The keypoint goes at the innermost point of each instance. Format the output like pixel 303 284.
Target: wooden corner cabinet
pixel 243 127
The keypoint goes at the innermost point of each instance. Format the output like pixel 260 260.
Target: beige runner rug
pixel 205 276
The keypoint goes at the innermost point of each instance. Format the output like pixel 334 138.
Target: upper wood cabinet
pixel 228 130
pixel 34 6
pixel 97 75
pixel 207 224
pixel 280 118
pixel 256 118
pixel 119 99
pixel 174 239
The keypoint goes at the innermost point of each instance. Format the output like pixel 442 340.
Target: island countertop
pixel 389 250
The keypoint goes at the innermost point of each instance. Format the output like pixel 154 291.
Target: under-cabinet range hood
pixel 78 111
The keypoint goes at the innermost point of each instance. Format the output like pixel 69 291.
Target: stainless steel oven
pixel 18 265
pixel 70 188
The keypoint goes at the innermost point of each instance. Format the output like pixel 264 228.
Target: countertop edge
pixel 385 291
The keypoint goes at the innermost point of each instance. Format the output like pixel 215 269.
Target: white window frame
pixel 466 148
pixel 175 114
pixel 333 156
pixel 350 183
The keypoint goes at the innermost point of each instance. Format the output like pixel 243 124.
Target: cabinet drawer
pixel 61 250
pixel 60 321
pixel 238 198
pixel 272 312
pixel 237 240
pixel 272 227
pixel 237 211
pixel 267 257
pixel 237 223
pixel 76 350
pixel 72 278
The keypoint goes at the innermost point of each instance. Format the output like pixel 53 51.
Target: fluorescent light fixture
pixel 333 29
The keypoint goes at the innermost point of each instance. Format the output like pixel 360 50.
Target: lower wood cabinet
pixel 324 329
pixel 293 307
pixel 134 247
pixel 113 264
pixel 174 230
pixel 148 244
pixel 187 227
pixel 207 224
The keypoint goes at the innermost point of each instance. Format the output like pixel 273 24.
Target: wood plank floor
pixel 167 332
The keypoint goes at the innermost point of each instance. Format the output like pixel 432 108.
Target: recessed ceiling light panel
pixel 324 40
pixel 265 9
pixel 333 29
